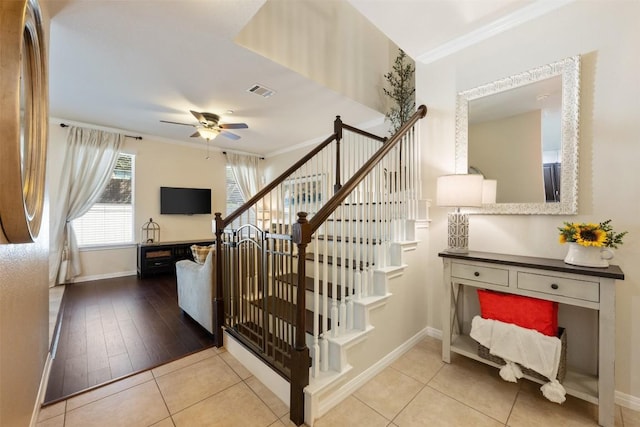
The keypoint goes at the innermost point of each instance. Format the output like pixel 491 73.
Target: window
pixel 235 199
pixel 110 219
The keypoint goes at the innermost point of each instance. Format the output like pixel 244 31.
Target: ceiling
pixel 126 65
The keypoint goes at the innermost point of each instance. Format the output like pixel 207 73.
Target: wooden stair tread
pixel 399 202
pixel 285 310
pixel 357 220
pixel 292 279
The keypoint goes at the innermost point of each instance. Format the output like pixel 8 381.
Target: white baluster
pixel 324 344
pixel 334 279
pixel 316 308
pixel 343 270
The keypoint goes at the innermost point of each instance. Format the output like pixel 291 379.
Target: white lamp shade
pixel 207 133
pixel 459 190
pixel 489 189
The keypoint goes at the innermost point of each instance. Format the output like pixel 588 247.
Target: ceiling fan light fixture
pixel 207 133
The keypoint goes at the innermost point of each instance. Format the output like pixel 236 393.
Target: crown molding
pixel 519 17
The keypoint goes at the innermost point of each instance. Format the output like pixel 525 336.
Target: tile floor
pixel 211 388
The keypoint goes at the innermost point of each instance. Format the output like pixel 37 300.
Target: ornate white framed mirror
pixel 24 120
pixel 523 132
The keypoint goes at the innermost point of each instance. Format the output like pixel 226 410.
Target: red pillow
pixel 530 313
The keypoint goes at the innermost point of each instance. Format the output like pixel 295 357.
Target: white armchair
pixel 196 289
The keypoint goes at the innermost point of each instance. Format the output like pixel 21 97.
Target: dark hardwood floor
pixel 115 327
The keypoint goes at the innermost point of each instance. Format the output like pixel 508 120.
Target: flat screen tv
pixel 185 201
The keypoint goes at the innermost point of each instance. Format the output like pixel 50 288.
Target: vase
pixel 588 256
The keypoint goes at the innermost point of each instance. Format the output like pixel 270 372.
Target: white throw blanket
pixel 527 347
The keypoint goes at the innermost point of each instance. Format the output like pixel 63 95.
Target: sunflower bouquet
pixel 590 234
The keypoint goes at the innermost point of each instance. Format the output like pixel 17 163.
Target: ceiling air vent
pixel 261 90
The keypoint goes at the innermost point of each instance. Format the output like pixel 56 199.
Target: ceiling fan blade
pixel 233 126
pixel 177 123
pixel 230 135
pixel 199 117
pixel 195 134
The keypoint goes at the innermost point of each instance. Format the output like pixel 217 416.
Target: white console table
pixel 549 279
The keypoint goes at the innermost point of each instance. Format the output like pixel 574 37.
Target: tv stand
pixel 161 258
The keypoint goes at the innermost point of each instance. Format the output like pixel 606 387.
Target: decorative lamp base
pixel 458 231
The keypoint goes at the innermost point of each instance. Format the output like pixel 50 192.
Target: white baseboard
pixel 44 381
pixel 627 400
pixel 104 276
pixel 364 377
pixel 434 333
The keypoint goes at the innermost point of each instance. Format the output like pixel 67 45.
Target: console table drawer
pixel 571 288
pixel 495 276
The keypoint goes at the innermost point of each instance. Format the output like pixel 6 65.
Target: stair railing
pixel 261 264
pixel 257 263
pixel 372 207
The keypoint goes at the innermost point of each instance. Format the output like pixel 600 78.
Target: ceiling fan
pixel 209 126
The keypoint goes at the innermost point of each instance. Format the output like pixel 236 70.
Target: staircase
pixel 296 287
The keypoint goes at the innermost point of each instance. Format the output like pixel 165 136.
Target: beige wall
pixel 24 325
pixel 328 42
pixel 24 319
pixel 609 149
pixel 157 164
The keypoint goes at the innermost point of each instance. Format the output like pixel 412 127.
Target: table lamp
pixel 489 190
pixel 459 191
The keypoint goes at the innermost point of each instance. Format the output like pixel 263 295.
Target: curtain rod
pixel 139 138
pixel 225 153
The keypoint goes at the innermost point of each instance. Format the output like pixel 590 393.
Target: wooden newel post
pixel 337 130
pixel 218 299
pixel 300 353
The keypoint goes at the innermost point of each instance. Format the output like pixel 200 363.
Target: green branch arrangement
pixel 401 90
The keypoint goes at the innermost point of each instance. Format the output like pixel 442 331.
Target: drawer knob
pixel 554 286
pixel 476 273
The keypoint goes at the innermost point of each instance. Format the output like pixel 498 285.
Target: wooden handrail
pixel 273 184
pixel 336 136
pixel 364 133
pixel 332 204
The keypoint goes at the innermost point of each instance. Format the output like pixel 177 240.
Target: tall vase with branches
pixel 401 91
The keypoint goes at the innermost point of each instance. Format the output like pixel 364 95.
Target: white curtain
pixel 246 171
pixel 88 164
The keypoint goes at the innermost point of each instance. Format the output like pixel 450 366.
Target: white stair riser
pixel 330 267
pixel 382 255
pixel 364 251
pixel 391 210
pixel 355 229
pixel 395 230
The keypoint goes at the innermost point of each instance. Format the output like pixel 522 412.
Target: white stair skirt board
pixel 398 248
pixel 267 376
pixel 422 223
pixel 363 307
pixel 338 349
pixel 317 402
